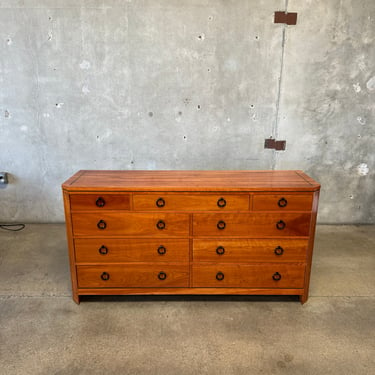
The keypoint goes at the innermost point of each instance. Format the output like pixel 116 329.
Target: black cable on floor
pixel 12 227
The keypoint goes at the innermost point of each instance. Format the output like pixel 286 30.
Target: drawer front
pixel 191 202
pixel 248 250
pixel 133 276
pixel 99 250
pixel 98 201
pixel 252 224
pixel 282 202
pixel 123 224
pixel 249 276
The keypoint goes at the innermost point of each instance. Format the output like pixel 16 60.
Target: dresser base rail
pixel 190 291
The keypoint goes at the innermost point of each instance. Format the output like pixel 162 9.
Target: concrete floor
pixel 42 331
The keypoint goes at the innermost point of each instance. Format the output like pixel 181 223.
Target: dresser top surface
pixel 184 180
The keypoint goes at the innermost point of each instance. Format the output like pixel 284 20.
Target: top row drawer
pixel 191 202
pixel 96 201
pixel 282 202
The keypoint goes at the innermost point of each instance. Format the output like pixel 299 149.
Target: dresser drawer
pixel 101 250
pixel 133 276
pixel 98 201
pixel 192 202
pixel 249 250
pixel 282 202
pixel 127 224
pixel 251 224
pixel 249 276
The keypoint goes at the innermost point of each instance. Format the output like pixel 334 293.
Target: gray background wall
pixel 186 84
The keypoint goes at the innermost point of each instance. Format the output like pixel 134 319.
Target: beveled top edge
pixel 190 180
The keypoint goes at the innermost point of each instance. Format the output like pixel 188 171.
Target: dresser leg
pixel 303 298
pixel 76 298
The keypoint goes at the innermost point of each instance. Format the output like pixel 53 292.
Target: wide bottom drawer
pixel 249 275
pixel 126 250
pixel 133 276
pixel 250 250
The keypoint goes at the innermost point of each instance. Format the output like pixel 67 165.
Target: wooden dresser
pixel 190 232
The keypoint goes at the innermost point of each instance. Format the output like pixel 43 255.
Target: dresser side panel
pixel 70 240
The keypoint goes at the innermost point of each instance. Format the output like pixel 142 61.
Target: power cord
pixel 12 227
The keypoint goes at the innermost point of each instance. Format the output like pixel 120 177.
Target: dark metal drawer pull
pixel 104 276
pixel 279 250
pixel 160 225
pixel 103 250
pixel 162 275
pixel 100 202
pixel 219 276
pixel 282 202
pixel 221 225
pixel 220 250
pixel 276 276
pixel 280 225
pixel 221 202
pixel 162 250
pixel 102 224
pixel 160 202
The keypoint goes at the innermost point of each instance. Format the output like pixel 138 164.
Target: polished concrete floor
pixel 42 331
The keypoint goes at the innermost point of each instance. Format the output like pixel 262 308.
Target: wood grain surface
pixel 105 180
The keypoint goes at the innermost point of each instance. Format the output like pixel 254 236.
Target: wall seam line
pixel 275 127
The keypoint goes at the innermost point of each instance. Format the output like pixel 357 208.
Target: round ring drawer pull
pixel 100 202
pixel 221 203
pixel 280 225
pixel 104 276
pixel 219 276
pixel 160 202
pixel 162 275
pixel 103 250
pixel 282 202
pixel 276 276
pixel 220 250
pixel 279 250
pixel 102 224
pixel 160 225
pixel 162 250
pixel 221 225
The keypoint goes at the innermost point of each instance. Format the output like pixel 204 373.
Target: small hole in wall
pixel 256 37
pixel 198 107
pixel 151 114
pixel 210 18
pixel 251 105
pixel 185 137
pixel 180 113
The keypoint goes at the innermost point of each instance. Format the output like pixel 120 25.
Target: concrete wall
pixel 186 84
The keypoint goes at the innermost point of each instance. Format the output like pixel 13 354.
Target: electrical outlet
pixel 3 178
